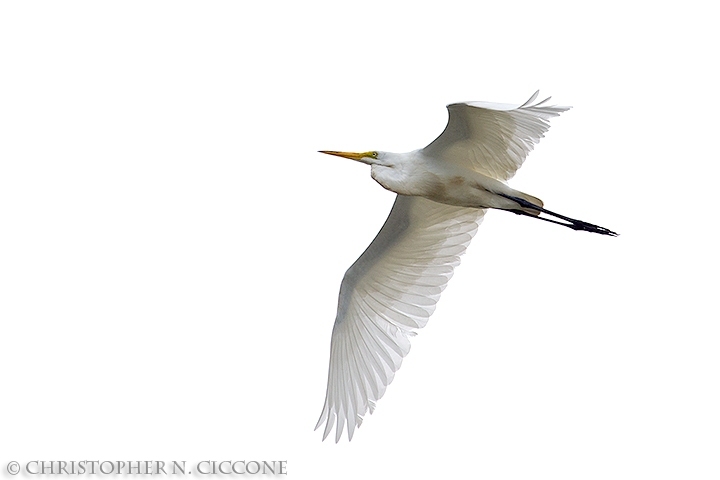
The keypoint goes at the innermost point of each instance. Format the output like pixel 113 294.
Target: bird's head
pixel 370 158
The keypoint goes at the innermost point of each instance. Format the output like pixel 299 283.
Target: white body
pixel 415 173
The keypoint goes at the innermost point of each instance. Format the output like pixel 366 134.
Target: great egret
pixel 443 192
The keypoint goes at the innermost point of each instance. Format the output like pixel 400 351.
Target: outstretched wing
pixel 385 296
pixel 491 138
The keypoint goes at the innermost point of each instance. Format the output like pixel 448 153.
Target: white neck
pixel 394 170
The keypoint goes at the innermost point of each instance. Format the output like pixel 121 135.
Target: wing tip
pixel 340 426
pixel 552 109
pixel 532 99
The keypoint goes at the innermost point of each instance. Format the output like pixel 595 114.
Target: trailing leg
pixel 571 222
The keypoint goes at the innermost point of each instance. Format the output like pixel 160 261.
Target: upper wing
pixel 490 138
pixel 385 296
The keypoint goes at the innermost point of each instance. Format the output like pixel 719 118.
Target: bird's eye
pixel 374 154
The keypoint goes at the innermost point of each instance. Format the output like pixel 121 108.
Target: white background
pixel 171 244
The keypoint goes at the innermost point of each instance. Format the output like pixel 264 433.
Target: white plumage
pixel 392 289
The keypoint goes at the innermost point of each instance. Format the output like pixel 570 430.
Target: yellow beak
pixel 350 155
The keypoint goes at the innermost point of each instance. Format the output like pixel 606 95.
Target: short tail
pixel 531 208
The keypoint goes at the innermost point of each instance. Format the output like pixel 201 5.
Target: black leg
pixel 573 223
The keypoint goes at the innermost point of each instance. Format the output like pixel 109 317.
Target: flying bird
pixel 443 192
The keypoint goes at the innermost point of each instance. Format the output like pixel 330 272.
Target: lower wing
pixel 385 297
